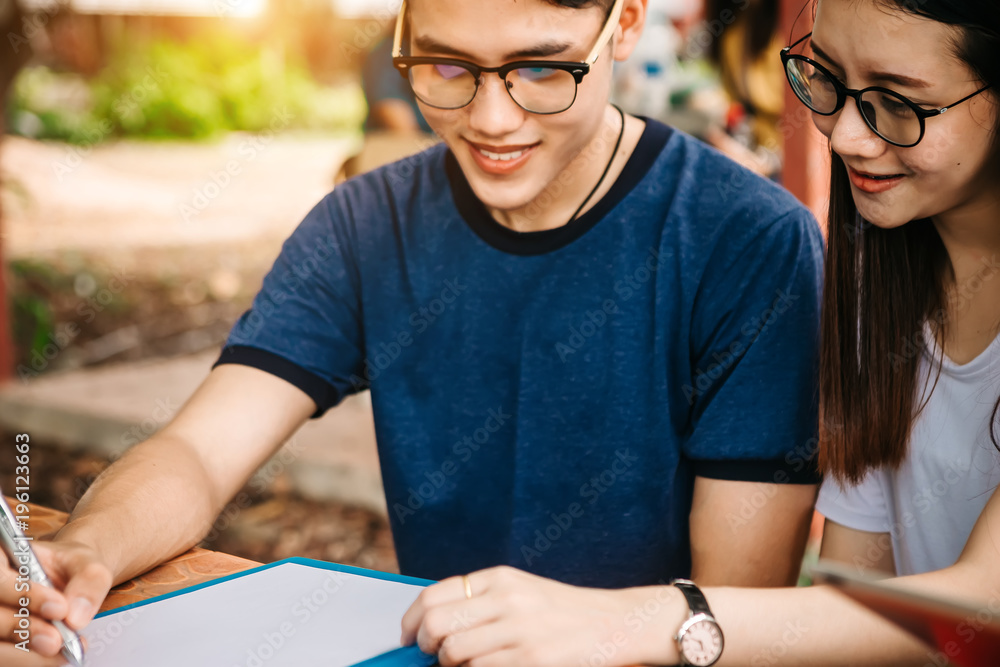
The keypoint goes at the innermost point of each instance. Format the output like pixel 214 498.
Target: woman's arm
pixel 831 629
pixel 516 618
pixel 857 548
pixel 807 627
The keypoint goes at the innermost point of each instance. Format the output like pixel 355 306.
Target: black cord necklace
pixel 607 167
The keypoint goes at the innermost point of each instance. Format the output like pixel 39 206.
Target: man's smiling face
pixel 510 155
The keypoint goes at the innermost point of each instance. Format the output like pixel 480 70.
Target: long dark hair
pixel 883 285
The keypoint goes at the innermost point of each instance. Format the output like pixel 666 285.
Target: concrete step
pixel 105 410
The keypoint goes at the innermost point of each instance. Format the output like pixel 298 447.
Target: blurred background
pixel 155 154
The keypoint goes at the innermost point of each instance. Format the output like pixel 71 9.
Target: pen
pixel 17 546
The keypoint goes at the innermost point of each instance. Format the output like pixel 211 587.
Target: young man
pixel 590 340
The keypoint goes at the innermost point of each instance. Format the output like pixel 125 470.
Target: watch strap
pixel 695 598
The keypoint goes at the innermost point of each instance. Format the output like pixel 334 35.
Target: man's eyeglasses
pixel 537 86
pixel 891 116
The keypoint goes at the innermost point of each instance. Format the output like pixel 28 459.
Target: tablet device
pixel 966 634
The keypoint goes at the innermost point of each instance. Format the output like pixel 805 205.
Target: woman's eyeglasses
pixel 537 86
pixel 891 116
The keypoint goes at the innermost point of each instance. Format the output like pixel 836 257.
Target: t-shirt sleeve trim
pixel 323 394
pixel 768 471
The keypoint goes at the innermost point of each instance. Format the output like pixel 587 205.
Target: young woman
pixel 910 375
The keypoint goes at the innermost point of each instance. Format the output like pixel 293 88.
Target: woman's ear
pixel 630 26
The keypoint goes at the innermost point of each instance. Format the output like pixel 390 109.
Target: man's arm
pixel 753 401
pixel 157 501
pixel 747 533
pixel 161 498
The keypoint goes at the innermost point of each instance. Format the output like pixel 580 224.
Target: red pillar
pixel 11 24
pixel 806 171
pixel 6 342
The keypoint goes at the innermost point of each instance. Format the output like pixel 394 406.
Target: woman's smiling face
pixel 953 168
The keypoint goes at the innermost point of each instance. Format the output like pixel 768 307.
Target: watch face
pixel 702 643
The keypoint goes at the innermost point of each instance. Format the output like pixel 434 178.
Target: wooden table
pixel 194 567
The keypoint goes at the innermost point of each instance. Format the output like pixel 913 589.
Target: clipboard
pixel 296 612
pixel 965 634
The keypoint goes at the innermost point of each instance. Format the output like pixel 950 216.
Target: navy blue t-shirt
pixel 545 399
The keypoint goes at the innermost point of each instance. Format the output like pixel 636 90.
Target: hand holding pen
pixel 51 614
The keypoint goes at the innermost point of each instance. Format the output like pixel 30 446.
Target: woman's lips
pixel 874 183
pixel 501 160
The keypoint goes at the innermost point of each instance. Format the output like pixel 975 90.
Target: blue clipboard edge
pixel 308 562
pixel 407 656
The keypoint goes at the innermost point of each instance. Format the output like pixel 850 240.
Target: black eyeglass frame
pixel 577 69
pixel 843 92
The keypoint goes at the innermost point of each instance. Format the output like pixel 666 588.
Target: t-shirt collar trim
pixel 477 217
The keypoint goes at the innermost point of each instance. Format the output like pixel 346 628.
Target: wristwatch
pixel 699 641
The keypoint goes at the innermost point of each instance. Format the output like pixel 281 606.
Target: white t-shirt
pixel 930 504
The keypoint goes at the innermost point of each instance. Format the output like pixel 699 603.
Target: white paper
pixel 289 615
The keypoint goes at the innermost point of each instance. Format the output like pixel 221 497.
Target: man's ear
pixel 629 28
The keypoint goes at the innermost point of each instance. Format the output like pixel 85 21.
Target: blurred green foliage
pixel 55 305
pixel 50 105
pixel 192 90
pixel 31 313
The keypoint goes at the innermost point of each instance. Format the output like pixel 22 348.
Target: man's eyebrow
pixel 428 44
pixel 898 79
